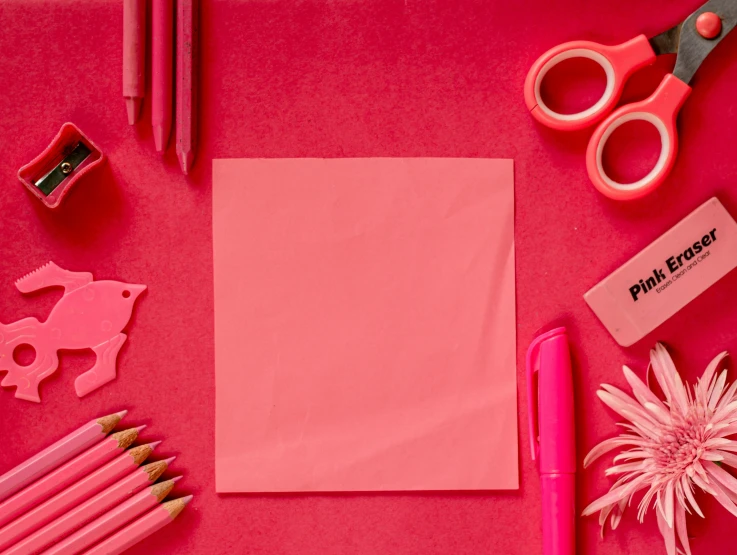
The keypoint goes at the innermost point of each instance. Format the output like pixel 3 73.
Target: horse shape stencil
pixel 90 315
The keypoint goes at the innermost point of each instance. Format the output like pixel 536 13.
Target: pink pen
pixel 553 438
pixel 162 67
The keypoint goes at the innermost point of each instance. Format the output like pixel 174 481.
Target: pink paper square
pixel 364 324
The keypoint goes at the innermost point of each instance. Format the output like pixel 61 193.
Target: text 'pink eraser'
pixel 667 275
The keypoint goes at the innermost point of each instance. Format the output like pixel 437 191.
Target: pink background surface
pixel 334 79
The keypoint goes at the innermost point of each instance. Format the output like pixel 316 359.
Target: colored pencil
pixel 56 455
pixel 77 517
pixel 134 56
pixel 162 67
pixel 91 485
pixel 113 519
pixel 187 65
pixel 141 528
pixel 67 474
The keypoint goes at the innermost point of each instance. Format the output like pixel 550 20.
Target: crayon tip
pixel 185 161
pixel 160 137
pixel 133 106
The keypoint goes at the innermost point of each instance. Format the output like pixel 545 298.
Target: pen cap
pixel 552 428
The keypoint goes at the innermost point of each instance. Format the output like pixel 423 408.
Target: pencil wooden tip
pixel 176 506
pixel 161 490
pixel 155 469
pixel 141 453
pixel 126 438
pixel 110 421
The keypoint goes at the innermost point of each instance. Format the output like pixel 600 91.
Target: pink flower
pixel 674 446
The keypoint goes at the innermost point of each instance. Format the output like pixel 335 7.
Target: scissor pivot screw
pixel 709 25
pixel 66 168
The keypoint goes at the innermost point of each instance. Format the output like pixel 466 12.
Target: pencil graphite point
pixel 140 428
pixel 177 478
pixel 122 413
pixel 170 460
pixel 187 499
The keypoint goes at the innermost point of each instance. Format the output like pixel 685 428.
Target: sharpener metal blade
pixel 64 169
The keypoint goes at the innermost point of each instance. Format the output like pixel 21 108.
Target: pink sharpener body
pixel 64 145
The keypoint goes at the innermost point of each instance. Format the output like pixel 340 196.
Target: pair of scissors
pixel 692 41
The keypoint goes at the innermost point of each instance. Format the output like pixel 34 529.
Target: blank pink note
pixel 364 324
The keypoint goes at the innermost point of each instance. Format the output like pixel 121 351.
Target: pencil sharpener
pixel 69 157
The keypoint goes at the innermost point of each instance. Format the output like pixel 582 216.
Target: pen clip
pixel 533 367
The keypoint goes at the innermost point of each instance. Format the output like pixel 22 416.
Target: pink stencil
pixel 364 324
pixel 90 315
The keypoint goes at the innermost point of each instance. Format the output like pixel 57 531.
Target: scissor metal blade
pixel 667 41
pixel 693 48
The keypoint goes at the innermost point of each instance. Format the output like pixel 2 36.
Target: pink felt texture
pixel 368 78
pixel 364 324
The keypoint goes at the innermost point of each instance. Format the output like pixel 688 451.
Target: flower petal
pixel 668 533
pixel 705 380
pixel 728 397
pixel 640 390
pixel 615 495
pixel 689 495
pixel 681 528
pixel 631 405
pixel 729 459
pixel 668 500
pixel 662 363
pixel 722 476
pixel 637 466
pixel 605 446
pixel 724 499
pixel 716 392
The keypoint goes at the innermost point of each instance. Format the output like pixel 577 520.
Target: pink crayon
pixel 134 56
pixel 186 119
pixel 162 46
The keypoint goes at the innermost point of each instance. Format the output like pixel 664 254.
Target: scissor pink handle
pixel 661 109
pixel 618 62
